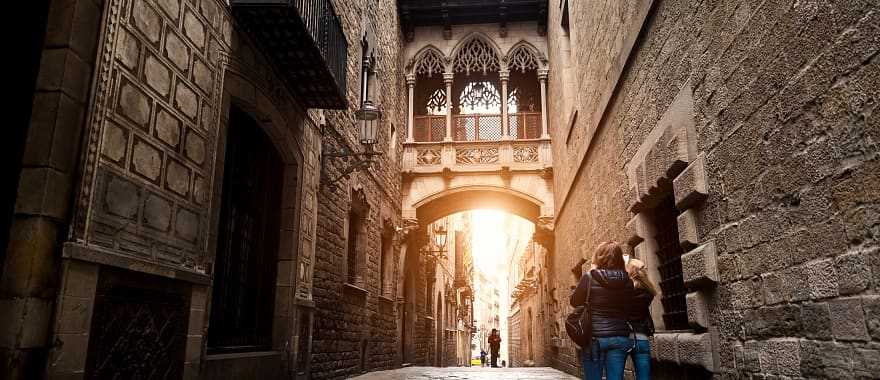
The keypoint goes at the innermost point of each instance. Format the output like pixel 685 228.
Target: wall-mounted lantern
pixel 368 119
pixel 438 236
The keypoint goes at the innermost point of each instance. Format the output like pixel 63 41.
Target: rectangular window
pixel 243 297
pixel 354 227
pixel 664 217
pixel 563 4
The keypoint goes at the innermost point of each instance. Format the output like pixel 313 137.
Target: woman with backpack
pixel 608 294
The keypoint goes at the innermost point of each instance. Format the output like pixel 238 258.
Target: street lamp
pixel 438 235
pixel 368 129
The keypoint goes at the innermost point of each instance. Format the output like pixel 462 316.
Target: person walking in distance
pixel 494 346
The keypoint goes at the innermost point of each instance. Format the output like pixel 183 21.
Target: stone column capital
pixel 447 78
pixel 542 74
pixel 504 75
pixel 410 80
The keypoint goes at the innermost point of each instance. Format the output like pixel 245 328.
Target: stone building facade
pixel 176 200
pixel 734 146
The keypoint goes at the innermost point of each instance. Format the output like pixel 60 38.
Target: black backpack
pixel 579 324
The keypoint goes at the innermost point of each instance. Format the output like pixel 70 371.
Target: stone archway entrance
pixel 423 208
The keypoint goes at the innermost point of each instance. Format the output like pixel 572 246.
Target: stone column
pixel 542 76
pixel 410 85
pixel 504 75
pixel 447 79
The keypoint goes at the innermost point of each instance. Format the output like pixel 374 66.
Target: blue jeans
pixel 641 358
pixel 608 354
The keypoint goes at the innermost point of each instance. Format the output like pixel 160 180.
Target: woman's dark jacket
pixel 614 302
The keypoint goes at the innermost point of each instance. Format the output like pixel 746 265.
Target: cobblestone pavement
pixel 467 373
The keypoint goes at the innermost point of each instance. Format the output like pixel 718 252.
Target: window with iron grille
pixel 243 297
pixel 664 217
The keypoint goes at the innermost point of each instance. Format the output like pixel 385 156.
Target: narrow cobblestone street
pixel 470 373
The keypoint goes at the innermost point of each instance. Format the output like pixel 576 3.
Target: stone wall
pixel 166 73
pixel 760 117
pixel 355 327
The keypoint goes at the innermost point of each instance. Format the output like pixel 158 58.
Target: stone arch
pixel 523 46
pixel 450 201
pixel 476 51
pixel 427 60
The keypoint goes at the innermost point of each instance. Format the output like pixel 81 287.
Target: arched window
pixel 436 104
pixel 429 63
pixel 480 97
pixel 476 55
pixel 522 59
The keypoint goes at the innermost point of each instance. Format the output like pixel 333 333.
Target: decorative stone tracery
pixel 522 58
pixel 476 55
pixel 429 63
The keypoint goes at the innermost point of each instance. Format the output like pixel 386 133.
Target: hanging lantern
pixel 368 117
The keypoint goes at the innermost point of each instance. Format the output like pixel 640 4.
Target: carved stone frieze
pixel 525 153
pixel 476 155
pixel 428 156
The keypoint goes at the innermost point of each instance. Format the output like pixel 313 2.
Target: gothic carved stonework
pixel 522 58
pixel 429 63
pixel 475 156
pixel 525 153
pixel 476 55
pixel 429 156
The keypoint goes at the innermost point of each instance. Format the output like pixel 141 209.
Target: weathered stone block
pixel 75 316
pixel 773 321
pixel 62 70
pixel 171 8
pixel 688 229
pixel 157 76
pixel 186 100
pixel 692 185
pixel 848 319
pixel 699 266
pixel 820 279
pixel 871 305
pixel 177 51
pixel 697 311
pixel 742 294
pixel 193 349
pixel 816 320
pixel 780 356
pixel 115 143
pixel 80 279
pixel 146 160
pixel 74 24
pixel 866 363
pixel 157 212
pixel 747 359
pixel 134 105
pixel 775 288
pixel 200 191
pixel 122 198
pixel 665 347
pixel 194 29
pixel 187 225
pixel 41 192
pixel 195 147
pixel 69 353
pixel 177 178
pixel 825 360
pixel 853 272
pixel 147 21
pixel 203 76
pixel 696 350
pixel 168 128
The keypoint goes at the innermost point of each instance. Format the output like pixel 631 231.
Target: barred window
pixel 664 217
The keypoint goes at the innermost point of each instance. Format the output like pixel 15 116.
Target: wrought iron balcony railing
pixel 305 40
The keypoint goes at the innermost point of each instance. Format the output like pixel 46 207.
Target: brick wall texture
pixel 785 96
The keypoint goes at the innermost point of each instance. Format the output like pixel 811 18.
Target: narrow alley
pixel 441 189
